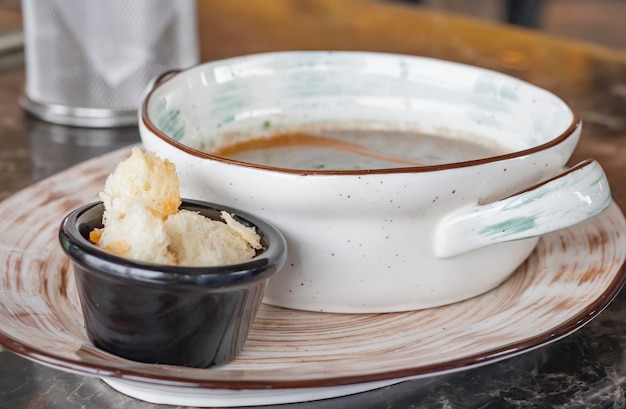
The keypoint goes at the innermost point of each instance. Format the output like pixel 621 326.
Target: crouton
pixel 142 220
pixel 144 178
pixel 199 241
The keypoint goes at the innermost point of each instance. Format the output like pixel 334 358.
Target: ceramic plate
pixel 290 355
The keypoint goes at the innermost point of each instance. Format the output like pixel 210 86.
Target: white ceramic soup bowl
pixel 381 237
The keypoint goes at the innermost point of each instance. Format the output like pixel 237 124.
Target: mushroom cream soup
pixel 357 149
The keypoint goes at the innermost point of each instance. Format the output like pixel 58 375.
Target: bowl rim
pixel 86 254
pixel 163 78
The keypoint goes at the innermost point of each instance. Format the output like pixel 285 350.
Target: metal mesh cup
pixel 88 62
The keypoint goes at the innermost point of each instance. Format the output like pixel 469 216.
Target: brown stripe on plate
pixel 571 276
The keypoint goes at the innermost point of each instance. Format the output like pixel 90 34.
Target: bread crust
pixel 142 220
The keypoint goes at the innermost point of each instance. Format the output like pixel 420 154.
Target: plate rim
pixel 563 329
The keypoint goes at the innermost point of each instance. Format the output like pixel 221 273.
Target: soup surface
pixel 357 149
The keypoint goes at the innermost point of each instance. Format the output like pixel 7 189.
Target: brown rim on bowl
pixel 167 76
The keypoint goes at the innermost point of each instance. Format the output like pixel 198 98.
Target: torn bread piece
pixel 198 241
pixel 143 178
pixel 142 221
pixel 139 235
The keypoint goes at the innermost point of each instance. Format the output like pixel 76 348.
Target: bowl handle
pixel 156 80
pixel 569 198
pixel 164 76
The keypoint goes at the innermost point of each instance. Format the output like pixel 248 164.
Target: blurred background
pixel 598 21
pixel 602 22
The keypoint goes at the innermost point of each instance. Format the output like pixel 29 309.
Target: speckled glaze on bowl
pixel 299 356
pixel 380 239
pixel 186 316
